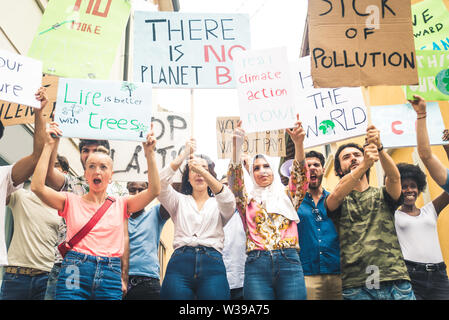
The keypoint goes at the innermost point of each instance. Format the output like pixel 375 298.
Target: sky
pixel 273 23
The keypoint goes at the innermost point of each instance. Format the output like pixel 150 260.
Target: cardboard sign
pixel 20 78
pixel 80 38
pixel 13 113
pixel 270 143
pixel 433 70
pixel 265 90
pixel 361 43
pixel 327 115
pixel 172 130
pixel 397 124
pixel 101 109
pixel 188 50
pixel 430 20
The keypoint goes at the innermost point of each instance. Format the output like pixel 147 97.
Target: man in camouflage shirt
pixel 372 264
pixel 78 185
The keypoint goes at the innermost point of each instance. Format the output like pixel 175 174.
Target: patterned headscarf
pixel 273 197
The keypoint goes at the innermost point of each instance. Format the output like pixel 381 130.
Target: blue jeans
pixel 195 273
pixel 24 287
pixel 52 280
pixel 388 290
pixel 274 275
pixel 86 277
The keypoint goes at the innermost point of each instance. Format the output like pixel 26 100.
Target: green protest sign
pixel 430 20
pixel 433 73
pixel 79 38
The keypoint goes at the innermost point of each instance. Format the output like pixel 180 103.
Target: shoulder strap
pixel 92 222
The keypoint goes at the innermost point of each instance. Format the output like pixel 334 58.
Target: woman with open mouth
pixel 91 268
pixel 199 213
pixel 273 269
pixel 418 236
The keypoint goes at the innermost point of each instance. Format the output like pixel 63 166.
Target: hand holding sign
pixel 418 104
pixel 237 140
pixel 190 148
pixel 196 165
pixel 373 136
pixel 41 95
pixel 370 155
pixel 53 134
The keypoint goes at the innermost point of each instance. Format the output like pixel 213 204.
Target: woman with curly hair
pixel 418 236
pixel 199 212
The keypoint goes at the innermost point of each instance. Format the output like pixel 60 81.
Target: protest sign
pixel 103 109
pixel 327 115
pixel 20 78
pixel 188 50
pixel 13 113
pixel 430 20
pixel 264 90
pixel 171 130
pixel 79 39
pixel 270 143
pixel 361 43
pixel 397 124
pixel 433 71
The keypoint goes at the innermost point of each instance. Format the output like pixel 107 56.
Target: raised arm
pixel 298 182
pixel 352 179
pixel 49 196
pixel 24 168
pixel 235 171
pixel 433 164
pixel 392 175
pixel 142 199
pixel 55 179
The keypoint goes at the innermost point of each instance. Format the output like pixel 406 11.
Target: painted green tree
pixel 130 87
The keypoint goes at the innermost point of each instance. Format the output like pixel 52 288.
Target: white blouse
pixel 195 227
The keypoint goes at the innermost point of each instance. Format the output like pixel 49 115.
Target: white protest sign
pixel 20 78
pixel 171 131
pixel 265 90
pixel 188 50
pixel 397 124
pixel 327 114
pixel 101 109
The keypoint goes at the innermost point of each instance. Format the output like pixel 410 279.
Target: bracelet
pixel 425 112
pixel 381 148
pixel 421 117
pixel 222 188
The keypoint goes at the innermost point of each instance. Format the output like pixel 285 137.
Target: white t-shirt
pixel 6 188
pixel 195 227
pixel 418 235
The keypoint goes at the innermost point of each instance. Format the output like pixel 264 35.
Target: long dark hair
pixel 186 187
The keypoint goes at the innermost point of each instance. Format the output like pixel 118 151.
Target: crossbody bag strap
pixel 92 222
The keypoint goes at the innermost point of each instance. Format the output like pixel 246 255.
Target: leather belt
pixel 24 270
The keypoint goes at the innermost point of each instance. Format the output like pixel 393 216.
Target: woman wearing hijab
pixel 272 269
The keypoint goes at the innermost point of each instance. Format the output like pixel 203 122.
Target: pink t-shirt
pixel 106 239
